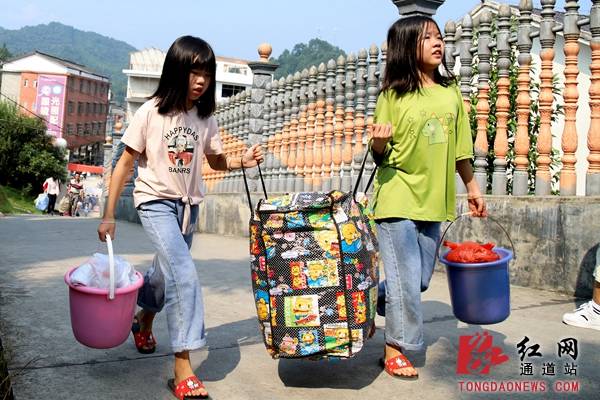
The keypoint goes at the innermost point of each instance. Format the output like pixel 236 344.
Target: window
pixel 81 85
pixel 79 129
pixel 71 83
pixel 80 109
pixel 235 69
pixel 88 108
pixel 70 107
pixel 25 83
pixel 69 129
pixel 35 83
pixel 86 129
pixel 230 90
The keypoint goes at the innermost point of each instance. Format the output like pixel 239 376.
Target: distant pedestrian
pixel 421 137
pixel 170 135
pixel 75 193
pixel 51 187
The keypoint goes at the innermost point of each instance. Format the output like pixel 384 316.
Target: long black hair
pixel 402 63
pixel 187 53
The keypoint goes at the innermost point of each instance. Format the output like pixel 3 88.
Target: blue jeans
pixel 407 249
pixel 172 280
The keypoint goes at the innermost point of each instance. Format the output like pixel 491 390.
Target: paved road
pixel 46 362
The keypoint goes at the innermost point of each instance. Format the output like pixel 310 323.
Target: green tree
pixel 27 154
pixel 305 55
pixel 4 54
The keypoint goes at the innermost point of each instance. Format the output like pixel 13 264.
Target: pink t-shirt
pixel 172 149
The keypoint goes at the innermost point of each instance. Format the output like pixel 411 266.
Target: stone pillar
pixel 543 179
pixel 348 122
pixel 359 116
pixel 339 122
pixel 291 179
pixel 568 177
pixel 299 184
pixel 106 172
pixel 407 8
pixel 520 179
pixel 450 44
pixel 319 128
pixel 592 182
pixel 483 108
pixel 503 102
pixel 262 72
pixel 329 109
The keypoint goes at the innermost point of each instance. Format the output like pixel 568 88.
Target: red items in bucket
pixel 470 252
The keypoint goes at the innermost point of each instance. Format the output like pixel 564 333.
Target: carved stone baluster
pixel 592 183
pixel 339 122
pixel 503 102
pixel 291 178
pixel 299 185
pixel 466 59
pixel 543 179
pixel 329 108
pixel 310 130
pixel 319 128
pixel 372 90
pixel 483 107
pixel 285 132
pixel 273 147
pixel 520 180
pixel 266 144
pixel 348 123
pixel 450 44
pixel 278 173
pixel 359 118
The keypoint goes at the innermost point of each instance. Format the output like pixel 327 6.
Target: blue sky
pixel 233 27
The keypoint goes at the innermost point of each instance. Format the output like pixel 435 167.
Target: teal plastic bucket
pixel 480 292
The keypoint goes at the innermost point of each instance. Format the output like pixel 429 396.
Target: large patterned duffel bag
pixel 315 272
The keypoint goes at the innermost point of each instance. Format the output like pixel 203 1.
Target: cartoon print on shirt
pixel 181 152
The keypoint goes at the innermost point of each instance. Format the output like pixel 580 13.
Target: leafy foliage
pixel 100 54
pixel 4 54
pixel 27 154
pixel 305 55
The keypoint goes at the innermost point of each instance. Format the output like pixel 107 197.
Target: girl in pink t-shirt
pixel 169 136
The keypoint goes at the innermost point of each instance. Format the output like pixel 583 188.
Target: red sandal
pixel 186 386
pixel 144 340
pixel 398 362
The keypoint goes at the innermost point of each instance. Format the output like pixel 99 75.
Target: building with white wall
pixel 145 67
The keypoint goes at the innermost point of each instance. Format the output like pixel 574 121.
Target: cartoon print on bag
pixel 360 307
pixel 351 239
pixel 254 240
pixel 328 242
pixel 320 219
pixel 275 221
pixel 262 304
pixel 309 341
pixel 288 345
pixel 298 277
pixel 294 220
pixel 321 273
pixel 340 301
pixel 269 246
pixel 302 310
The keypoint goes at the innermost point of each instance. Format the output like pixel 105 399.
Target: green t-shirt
pixel 431 132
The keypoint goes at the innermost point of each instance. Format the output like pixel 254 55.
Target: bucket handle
pixel 468 214
pixel 111 268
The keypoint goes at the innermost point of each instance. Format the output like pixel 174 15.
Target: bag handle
pixel 360 173
pixel 262 181
pixel 111 268
pixel 468 214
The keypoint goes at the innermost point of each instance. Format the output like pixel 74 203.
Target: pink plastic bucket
pixel 101 318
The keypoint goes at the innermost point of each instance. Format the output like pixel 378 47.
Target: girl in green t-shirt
pixel 420 138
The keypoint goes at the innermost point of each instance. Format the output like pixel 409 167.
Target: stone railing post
pixel 543 180
pixel 359 117
pixel 592 182
pixel 329 114
pixel 483 107
pixel 339 122
pixel 299 184
pixel 319 128
pixel 310 130
pixel 568 177
pixel 292 161
pixel 348 122
pixel 520 179
pixel 450 44
pixel 262 74
pixel 503 102
pixel 417 7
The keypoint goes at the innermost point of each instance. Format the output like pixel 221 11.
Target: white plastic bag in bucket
pixel 101 318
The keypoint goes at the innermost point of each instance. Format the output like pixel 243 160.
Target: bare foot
pixel 408 371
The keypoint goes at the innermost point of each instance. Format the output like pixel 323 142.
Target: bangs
pixel 203 62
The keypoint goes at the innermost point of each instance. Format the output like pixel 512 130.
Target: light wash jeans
pixel 407 249
pixel 172 280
